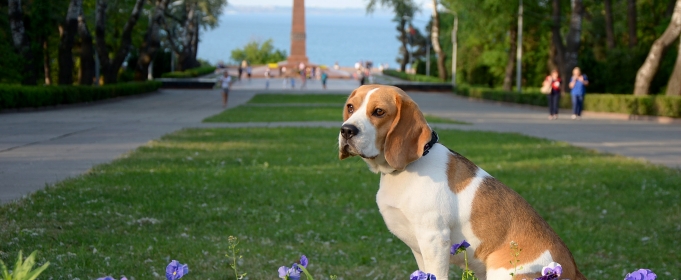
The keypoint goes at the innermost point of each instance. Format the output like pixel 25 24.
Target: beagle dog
pixel 431 197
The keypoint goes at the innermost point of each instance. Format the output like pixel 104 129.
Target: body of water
pixel 342 38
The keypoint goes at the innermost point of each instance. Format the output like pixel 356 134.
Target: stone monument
pixel 298 51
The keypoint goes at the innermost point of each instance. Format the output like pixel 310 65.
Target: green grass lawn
pixel 284 192
pixel 313 107
pixel 267 98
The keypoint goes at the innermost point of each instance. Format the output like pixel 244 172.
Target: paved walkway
pixel 46 146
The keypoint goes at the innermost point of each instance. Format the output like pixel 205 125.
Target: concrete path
pixel 45 146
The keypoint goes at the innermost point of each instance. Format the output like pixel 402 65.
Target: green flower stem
pixel 307 274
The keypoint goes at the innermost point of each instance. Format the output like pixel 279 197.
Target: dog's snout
pixel 348 131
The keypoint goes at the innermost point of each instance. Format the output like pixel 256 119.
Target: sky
pixel 317 3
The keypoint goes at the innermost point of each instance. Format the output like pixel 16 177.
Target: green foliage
pixel 15 96
pixel 190 73
pixel 652 105
pixel 411 77
pixel 23 269
pixel 484 42
pixel 256 53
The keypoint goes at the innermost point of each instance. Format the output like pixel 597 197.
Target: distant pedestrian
pixel 336 66
pixel 551 87
pixel 303 79
pixel 578 84
pixel 249 71
pixel 324 77
pixel 241 71
pixel 225 83
pixel 267 78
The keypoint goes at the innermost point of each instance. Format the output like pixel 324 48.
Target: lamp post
pixel 519 52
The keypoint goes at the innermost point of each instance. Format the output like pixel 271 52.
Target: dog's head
pixel 384 126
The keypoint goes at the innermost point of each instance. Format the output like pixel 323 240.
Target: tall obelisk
pixel 298 53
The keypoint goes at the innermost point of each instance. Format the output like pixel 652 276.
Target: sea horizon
pixel 334 35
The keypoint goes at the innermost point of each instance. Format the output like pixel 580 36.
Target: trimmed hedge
pixel 651 105
pixel 411 77
pixel 16 96
pixel 190 73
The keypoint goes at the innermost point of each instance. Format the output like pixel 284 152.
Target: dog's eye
pixel 379 112
pixel 351 109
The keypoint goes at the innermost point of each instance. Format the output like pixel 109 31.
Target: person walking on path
pixel 324 77
pixel 552 86
pixel 241 71
pixel 578 84
pixel 225 83
pixel 267 78
pixel 249 71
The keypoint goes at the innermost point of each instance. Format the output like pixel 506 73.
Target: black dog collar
pixel 433 139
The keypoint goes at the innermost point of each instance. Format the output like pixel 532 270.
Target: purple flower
pixel 459 247
pixel 175 270
pixel 641 274
pixel 551 271
pixel 420 275
pixel 292 273
pixel 106 278
pixel 303 261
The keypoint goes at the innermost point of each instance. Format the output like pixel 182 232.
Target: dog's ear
pixel 408 134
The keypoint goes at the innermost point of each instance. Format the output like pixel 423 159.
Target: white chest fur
pixel 419 208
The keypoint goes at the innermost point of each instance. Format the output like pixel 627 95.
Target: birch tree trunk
pixel 21 41
pixel 67 32
pixel 567 56
pixel 647 71
pixel 110 67
pixel 674 84
pixel 631 23
pixel 435 40
pixel 46 63
pixel 87 58
pixel 574 39
pixel 508 75
pixel 609 29
pixel 152 40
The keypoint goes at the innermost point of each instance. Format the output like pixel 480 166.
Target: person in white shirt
pixel 226 82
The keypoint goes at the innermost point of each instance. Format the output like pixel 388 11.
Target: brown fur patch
pixel 460 172
pixel 499 216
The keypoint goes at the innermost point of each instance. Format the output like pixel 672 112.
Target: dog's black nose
pixel 348 131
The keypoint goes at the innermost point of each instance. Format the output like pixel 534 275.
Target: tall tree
pixel 631 23
pixel 184 44
pixel 645 74
pixel 109 66
pixel 67 31
pixel 609 29
pixel 435 39
pixel 674 84
pixel 21 41
pixel 510 64
pixel 152 40
pixel 404 10
pixel 567 55
pixel 86 71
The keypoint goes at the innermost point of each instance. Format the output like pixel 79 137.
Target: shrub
pixel 411 77
pixel 16 96
pixel 190 73
pixel 651 105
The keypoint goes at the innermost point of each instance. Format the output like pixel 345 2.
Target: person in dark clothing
pixel 553 82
